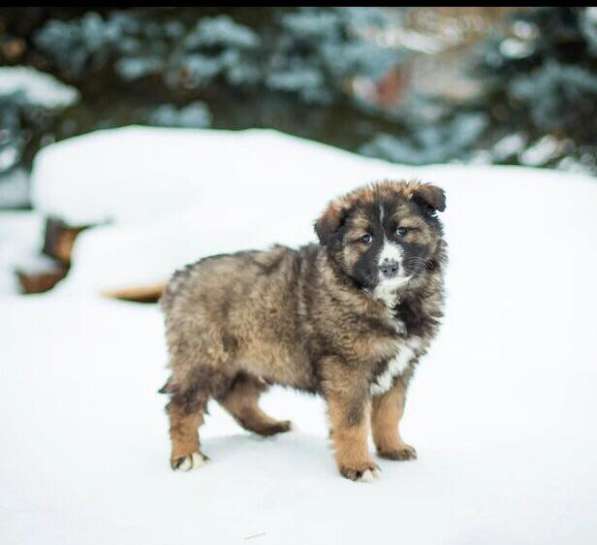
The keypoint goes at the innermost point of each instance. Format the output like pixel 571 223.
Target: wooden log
pixel 53 264
pixel 59 239
pixel 41 277
pixel 139 294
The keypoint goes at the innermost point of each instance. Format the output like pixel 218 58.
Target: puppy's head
pixel 385 236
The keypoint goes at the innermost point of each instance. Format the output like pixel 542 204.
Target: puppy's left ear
pixel 330 221
pixel 431 196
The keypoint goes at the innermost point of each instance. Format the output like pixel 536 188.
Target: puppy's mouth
pixel 392 274
pixel 387 290
pixel 395 283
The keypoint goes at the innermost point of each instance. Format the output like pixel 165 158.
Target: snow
pixel 20 244
pixel 14 184
pixel 38 88
pixel 165 192
pixel 137 174
pixel 501 410
pixel 173 186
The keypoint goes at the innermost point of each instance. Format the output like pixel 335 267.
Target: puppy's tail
pixel 167 388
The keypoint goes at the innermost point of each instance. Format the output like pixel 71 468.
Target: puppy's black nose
pixel 389 268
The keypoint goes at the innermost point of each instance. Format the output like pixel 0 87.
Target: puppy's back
pixel 255 290
pixel 240 312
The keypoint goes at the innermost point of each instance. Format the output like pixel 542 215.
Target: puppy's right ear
pixel 330 221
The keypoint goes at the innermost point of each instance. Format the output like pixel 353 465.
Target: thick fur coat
pixel 348 318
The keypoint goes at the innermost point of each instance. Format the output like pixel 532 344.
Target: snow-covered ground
pixel 501 411
pixel 21 240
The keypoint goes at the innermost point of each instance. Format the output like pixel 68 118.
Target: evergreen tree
pixel 287 68
pixel 540 83
pixel 299 70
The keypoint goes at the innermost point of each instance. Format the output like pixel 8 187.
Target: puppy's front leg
pixel 349 410
pixel 386 413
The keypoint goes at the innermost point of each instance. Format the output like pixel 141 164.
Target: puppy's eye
pixel 366 238
pixel 402 231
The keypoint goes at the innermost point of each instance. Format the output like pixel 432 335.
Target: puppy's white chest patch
pixel 396 366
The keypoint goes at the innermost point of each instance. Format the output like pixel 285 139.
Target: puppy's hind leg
pixel 185 411
pixel 241 401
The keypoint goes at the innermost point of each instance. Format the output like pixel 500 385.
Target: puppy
pixel 347 318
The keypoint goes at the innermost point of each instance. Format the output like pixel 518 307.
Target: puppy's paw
pixel 282 426
pixel 189 462
pixel 365 473
pixel 401 453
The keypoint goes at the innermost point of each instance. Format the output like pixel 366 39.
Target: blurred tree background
pixel 411 85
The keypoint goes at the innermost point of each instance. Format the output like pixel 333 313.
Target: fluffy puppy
pixel 347 318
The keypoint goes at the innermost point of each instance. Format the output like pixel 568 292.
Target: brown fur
pixel 184 432
pixel 241 401
pixel 349 436
pixel 387 411
pixel 309 319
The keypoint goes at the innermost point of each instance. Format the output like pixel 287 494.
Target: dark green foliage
pixel 296 70
pixel 308 52
pixel 540 80
pixel 439 142
pixel 288 68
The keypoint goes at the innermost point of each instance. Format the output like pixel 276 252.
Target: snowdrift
pixel 501 410
pixel 166 197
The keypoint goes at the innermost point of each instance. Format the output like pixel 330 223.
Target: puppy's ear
pixel 431 196
pixel 330 221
